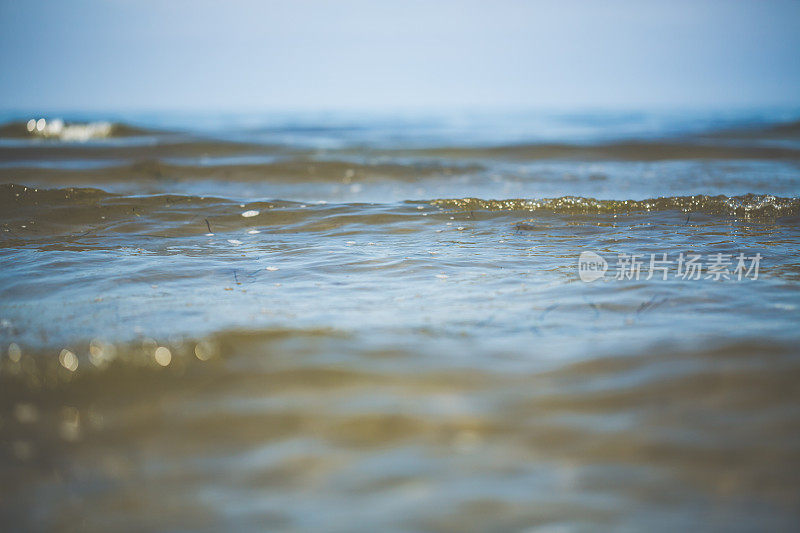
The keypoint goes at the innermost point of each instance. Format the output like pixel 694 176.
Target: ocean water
pixel 388 322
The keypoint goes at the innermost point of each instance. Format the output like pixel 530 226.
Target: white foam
pixel 69 132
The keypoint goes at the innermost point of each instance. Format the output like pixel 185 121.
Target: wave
pixel 172 146
pixel 280 169
pixel 748 377
pixel 750 205
pixel 786 128
pixel 68 131
pixel 92 357
pixel 271 410
pixel 734 144
pixel 619 151
pixel 779 130
pixel 86 203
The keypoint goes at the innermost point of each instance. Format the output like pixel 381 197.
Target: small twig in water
pixel 650 304
pixel 547 310
pixel 208 225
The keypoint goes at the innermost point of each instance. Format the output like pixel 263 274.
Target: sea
pixel 449 321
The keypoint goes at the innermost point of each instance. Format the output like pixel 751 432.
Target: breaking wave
pixel 749 205
pixel 58 129
pixel 14 196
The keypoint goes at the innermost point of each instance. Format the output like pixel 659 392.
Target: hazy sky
pixel 249 54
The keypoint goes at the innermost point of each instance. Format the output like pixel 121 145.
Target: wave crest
pixel 749 205
pixel 67 131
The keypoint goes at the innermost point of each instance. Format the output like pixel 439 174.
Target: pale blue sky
pixel 302 54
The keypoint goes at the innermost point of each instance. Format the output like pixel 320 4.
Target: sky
pixel 124 55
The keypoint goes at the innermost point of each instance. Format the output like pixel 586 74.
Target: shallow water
pixel 348 323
